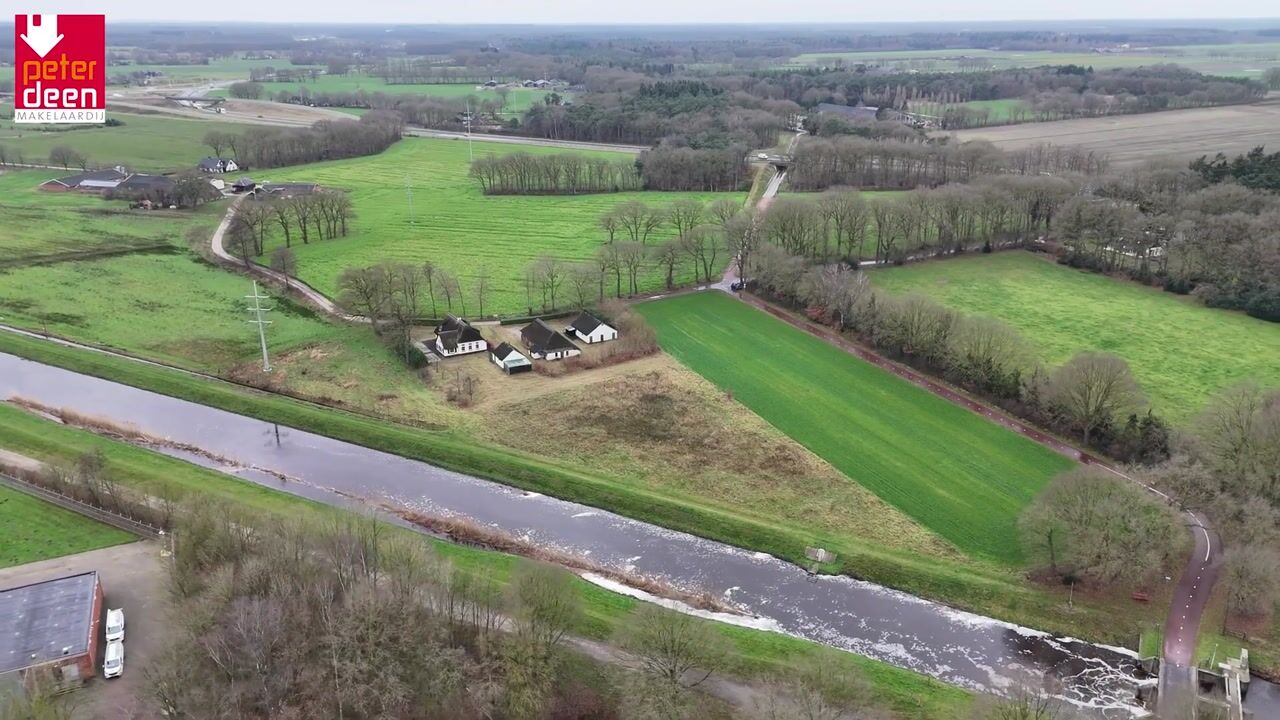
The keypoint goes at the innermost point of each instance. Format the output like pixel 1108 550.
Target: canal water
pixel 957 647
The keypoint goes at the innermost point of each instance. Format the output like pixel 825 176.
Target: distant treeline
pixel 1255 169
pixel 1218 243
pixel 1052 92
pixel 663 168
pixel 704 115
pixel 422 71
pixel 820 163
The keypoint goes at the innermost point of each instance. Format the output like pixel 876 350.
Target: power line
pixel 262 324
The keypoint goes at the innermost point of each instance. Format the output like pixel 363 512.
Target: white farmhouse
pixel 456 336
pixel 590 329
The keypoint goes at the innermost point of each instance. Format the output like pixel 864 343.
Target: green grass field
pixel 958 475
pixel 1245 60
pixel 50 224
pixel 1180 351
pixel 454 225
pixel 752 654
pixel 518 99
pixel 999 110
pixel 144 142
pixel 227 68
pixel 32 530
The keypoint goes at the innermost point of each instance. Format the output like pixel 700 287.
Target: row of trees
pixel 663 168
pixel 675 168
pixel 319 215
pixel 993 212
pixel 265 147
pixel 557 174
pixel 820 163
pixel 1093 396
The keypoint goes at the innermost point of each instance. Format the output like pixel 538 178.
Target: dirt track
pixel 1131 139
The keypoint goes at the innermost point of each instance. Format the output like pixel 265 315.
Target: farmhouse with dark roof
pixel 456 336
pixel 545 343
pixel 590 329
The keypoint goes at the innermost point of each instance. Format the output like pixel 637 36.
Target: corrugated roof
pixel 46 621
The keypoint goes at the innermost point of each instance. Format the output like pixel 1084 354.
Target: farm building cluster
pixel 120 182
pixel 456 336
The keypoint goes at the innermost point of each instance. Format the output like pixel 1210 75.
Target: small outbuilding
pixel 51 626
pixel 590 329
pixel 456 336
pixel 546 343
pixel 511 360
pixel 244 184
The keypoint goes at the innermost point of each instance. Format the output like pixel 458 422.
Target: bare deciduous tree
pixel 675 648
pixel 285 262
pixel 1092 525
pixel 1092 389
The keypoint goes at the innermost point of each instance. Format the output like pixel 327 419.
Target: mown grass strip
pixel 957 474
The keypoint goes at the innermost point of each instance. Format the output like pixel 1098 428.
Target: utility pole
pixel 470 155
pixel 257 311
pixel 408 190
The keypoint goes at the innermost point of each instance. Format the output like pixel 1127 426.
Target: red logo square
pixel 60 69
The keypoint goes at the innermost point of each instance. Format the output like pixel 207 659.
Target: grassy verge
pixel 31 530
pixel 993 591
pixel 753 653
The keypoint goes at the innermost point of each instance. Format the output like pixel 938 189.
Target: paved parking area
pixel 133 578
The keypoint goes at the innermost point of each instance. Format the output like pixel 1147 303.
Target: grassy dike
pixel 753 653
pixel 989 590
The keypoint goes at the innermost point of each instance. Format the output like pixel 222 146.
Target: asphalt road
pixel 1182 627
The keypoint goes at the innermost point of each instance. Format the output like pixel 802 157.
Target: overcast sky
pixel 645 11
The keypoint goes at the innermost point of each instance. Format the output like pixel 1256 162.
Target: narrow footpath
pixel 310 294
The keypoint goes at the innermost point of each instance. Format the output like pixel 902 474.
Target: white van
pixel 115 625
pixel 113 665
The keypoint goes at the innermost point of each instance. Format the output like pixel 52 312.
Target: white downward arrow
pixel 42 33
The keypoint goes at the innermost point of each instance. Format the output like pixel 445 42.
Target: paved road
pixel 1186 610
